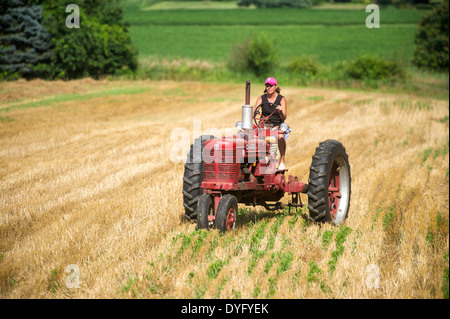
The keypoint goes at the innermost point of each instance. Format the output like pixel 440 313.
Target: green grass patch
pixel 445 283
pixel 341 237
pixel 129 286
pixel 214 269
pixel 285 262
pixel 221 286
pixel 388 218
pixel 444 119
pixel 7 119
pixel 273 231
pixel 53 284
pixel 316 98
pixel 327 236
pixel 273 287
pixel 314 270
pixel 213 245
pixel 435 153
pixel 255 240
pixel 256 291
pixel 58 99
pixel 200 241
pixel 313 276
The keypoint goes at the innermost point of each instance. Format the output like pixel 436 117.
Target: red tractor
pixel 222 172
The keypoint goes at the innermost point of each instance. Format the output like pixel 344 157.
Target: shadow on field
pixel 247 216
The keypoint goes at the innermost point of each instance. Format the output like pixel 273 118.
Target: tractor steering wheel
pixel 263 119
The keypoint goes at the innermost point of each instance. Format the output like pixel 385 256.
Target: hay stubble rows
pixel 89 181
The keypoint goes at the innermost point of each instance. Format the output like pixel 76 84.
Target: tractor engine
pixel 222 161
pixel 246 161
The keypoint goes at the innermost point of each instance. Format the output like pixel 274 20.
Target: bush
pixel 372 68
pixel 256 55
pixel 100 49
pixel 432 41
pixel 305 66
pixel 261 55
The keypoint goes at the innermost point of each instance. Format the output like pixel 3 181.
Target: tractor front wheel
pixel 205 208
pixel 226 215
pixel 329 181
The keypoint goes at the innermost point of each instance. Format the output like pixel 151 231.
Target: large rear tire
pixel 193 177
pixel 329 184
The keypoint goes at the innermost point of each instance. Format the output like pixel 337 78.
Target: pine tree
pixel 24 41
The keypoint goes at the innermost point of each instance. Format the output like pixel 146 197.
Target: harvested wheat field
pixel 91 196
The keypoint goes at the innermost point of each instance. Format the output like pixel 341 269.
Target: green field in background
pixel 140 16
pixel 329 44
pixel 331 35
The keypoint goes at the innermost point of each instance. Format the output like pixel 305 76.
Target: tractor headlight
pixel 284 127
pixel 238 125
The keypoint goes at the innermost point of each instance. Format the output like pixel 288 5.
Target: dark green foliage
pixel 276 3
pixel 24 42
pixel 341 237
pixel 304 65
pixel 100 49
pixel 432 41
pixel 261 54
pixel 372 68
pixel 257 55
pixel 100 46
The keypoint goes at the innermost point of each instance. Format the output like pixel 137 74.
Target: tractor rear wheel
pixel 205 208
pixel 226 215
pixel 329 184
pixel 193 177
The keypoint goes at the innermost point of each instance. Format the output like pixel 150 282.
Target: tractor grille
pixel 223 172
pixel 227 168
pixel 225 156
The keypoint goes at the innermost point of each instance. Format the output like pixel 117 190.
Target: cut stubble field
pixel 87 180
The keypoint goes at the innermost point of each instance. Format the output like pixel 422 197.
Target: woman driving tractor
pixel 273 101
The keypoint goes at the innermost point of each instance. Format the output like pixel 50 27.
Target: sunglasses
pixel 269 85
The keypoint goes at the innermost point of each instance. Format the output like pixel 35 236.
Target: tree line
pixel 35 40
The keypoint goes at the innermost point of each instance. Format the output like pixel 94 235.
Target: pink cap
pixel 271 81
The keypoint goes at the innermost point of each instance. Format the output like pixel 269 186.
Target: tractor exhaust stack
pixel 247 109
pixel 247 92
